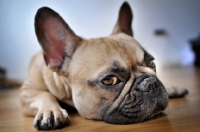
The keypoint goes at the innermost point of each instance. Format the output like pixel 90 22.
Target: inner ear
pixel 56 38
pixel 124 22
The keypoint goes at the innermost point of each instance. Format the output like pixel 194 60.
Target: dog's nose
pixel 145 83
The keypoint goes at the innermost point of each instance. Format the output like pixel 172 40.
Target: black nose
pixel 146 98
pixel 145 83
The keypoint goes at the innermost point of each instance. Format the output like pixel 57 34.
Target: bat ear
pixel 124 21
pixel 56 38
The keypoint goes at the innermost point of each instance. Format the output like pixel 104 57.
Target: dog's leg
pixel 175 92
pixel 44 106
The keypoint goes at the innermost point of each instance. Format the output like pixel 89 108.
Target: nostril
pixel 147 84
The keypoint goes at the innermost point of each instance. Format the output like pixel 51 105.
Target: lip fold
pixel 146 99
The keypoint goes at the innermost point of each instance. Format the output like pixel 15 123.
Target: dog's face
pixel 112 78
pixel 117 83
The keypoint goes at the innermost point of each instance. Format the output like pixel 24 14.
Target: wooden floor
pixel 182 114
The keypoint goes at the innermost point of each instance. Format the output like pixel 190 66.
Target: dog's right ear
pixel 56 38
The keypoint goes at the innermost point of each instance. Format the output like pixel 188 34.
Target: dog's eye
pixel 152 65
pixel 110 80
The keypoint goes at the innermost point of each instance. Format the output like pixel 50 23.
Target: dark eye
pixel 110 80
pixel 152 64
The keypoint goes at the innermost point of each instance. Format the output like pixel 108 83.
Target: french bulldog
pixel 109 78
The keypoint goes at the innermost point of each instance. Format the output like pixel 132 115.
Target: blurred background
pixel 163 27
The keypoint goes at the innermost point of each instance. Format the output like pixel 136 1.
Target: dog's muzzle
pixel 146 98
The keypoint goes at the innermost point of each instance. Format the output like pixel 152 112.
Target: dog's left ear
pixel 124 21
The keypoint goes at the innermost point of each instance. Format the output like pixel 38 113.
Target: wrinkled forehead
pixel 101 53
pixel 128 48
pixel 120 47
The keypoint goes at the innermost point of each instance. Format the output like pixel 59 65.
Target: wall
pixel 89 18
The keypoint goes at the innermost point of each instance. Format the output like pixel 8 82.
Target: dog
pixel 110 78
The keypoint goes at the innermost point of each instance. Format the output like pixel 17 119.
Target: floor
pixel 182 114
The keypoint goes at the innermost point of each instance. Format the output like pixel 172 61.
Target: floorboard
pixel 182 114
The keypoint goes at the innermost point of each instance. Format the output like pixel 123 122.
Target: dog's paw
pixel 175 92
pixel 47 119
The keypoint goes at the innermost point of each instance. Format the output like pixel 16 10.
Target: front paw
pixel 47 119
pixel 175 92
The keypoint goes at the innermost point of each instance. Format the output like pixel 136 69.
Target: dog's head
pixel 112 78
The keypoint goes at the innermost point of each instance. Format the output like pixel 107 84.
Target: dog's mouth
pixel 146 99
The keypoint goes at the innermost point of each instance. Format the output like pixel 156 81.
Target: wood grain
pixel 182 114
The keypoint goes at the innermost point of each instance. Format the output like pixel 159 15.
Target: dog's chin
pixel 146 99
pixel 120 118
